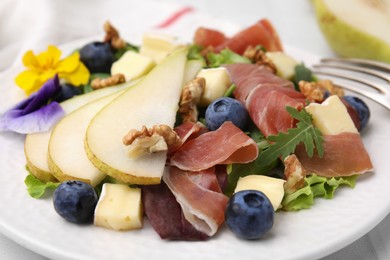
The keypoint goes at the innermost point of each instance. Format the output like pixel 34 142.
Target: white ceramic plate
pixel 329 226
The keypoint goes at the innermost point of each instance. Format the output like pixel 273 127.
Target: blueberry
pixel 67 91
pixel 75 201
pixel 361 108
pixel 97 56
pixel 226 109
pixel 249 214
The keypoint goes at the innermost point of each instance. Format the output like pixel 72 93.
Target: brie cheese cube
pixel 157 46
pixel 331 117
pixel 271 187
pixel 133 65
pixel 285 65
pixel 217 82
pixel 119 207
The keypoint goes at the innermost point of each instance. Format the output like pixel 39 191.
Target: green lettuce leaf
pixel 225 57
pixel 315 186
pixel 37 188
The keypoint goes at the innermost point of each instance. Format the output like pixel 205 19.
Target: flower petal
pixel 38 121
pixel 50 58
pixel 69 64
pixel 28 80
pixel 34 114
pixel 78 77
pixel 30 60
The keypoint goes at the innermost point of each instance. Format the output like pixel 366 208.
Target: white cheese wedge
pixel 133 65
pixel 119 207
pixel 285 65
pixel 158 46
pixel 271 187
pixel 331 117
pixel 217 82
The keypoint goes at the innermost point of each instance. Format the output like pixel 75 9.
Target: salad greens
pixel 37 188
pixel 302 73
pixel 284 144
pixel 315 186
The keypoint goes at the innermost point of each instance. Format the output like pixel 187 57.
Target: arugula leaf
pixel 284 144
pixel 37 188
pixel 226 56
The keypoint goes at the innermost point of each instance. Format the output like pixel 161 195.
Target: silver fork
pixel 341 68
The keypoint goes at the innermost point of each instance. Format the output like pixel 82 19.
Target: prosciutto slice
pixel 265 96
pixel 267 108
pixel 248 77
pixel 344 155
pixel 228 144
pixel 199 196
pixel 261 33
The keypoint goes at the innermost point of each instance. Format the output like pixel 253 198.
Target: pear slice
pixel 356 28
pixel 153 101
pixel 67 158
pixel 36 144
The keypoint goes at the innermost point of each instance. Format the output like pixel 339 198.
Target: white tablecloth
pixel 35 24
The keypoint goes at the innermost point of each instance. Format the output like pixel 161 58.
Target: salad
pixel 254 133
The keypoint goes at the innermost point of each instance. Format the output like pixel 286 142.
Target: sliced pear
pixel 67 158
pixel 153 101
pixel 271 187
pixel 192 69
pixel 36 144
pixel 285 64
pixel 133 65
pixel 356 28
pixel 119 207
pixel 157 46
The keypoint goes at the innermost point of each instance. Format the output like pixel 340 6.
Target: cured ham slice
pixel 261 33
pixel 165 214
pixel 190 130
pixel 208 37
pixel 267 108
pixel 187 131
pixel 199 196
pixel 344 155
pixel 228 144
pixel 248 77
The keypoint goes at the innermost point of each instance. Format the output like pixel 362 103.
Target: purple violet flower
pixel 36 113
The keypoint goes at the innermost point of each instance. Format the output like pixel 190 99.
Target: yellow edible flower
pixel 46 64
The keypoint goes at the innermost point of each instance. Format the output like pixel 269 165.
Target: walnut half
pixel 115 79
pixel 294 173
pixel 258 56
pixel 146 141
pixel 190 97
pixel 112 36
pixel 315 91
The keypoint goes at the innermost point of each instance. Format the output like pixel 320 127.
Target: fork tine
pixel 378 88
pixel 378 98
pixel 355 68
pixel 376 64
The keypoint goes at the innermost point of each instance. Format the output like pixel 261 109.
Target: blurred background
pixel 35 24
